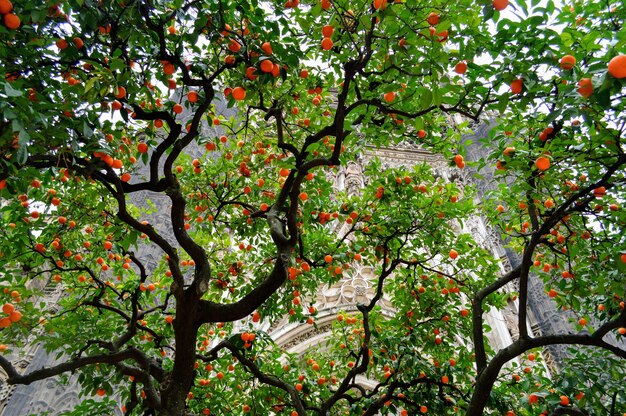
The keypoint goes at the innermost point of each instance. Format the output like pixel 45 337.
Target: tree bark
pixel 180 380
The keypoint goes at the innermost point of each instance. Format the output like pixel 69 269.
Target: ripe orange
pixel 542 163
pixel 239 93
pixel 433 19
pixel 564 401
pixel 617 67
pixel 304 74
pixel 568 62
pixel 380 4
pixel 552 293
pixel 192 97
pixel 327 31
pixel 453 254
pixel 267 66
pixel 177 108
pixel 15 316
pixel 500 4
pixel 458 160
pixel 142 147
pixel 303 196
pixel 516 86
pixel 585 87
pixel 78 42
pixel 460 68
pixel 327 43
pixel 8 308
pixel 61 44
pixel 11 21
pixel 328 258
pixel 267 48
pixel 421 134
pixel 5 6
pixel 390 96
pixel 234 46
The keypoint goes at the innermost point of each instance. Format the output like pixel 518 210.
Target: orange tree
pixel 237 115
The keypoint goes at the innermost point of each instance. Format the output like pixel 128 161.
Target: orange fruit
pixel 568 62
pixel 5 6
pixel 516 86
pixel 78 42
pixel 585 87
pixel 542 163
pixel 168 68
pixel 500 4
pixel 8 308
pixel 327 43
pixel 142 147
pixel 460 68
pixel 267 48
pixel 433 19
pixel 380 4
pixel 617 67
pixel 564 401
pixel 192 97
pixel 11 21
pixel 327 31
pixel 267 66
pixel 390 96
pixel 234 46
pixel 177 108
pixel 239 93
pixel 453 254
pixel 61 44
pixel 120 93
pixel 15 316
pixel 458 160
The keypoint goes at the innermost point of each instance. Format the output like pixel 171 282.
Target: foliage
pixel 238 116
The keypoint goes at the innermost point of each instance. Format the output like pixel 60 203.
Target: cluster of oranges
pixel 13 315
pixel 11 20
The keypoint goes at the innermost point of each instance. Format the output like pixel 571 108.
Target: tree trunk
pixel 482 390
pixel 180 380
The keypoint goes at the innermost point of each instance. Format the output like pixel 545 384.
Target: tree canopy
pixel 239 114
